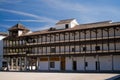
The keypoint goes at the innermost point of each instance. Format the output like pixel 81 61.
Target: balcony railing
pixel 61 41
pixel 63 52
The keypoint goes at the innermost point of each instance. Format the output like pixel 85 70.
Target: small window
pixel 97 48
pixel 52 64
pixel 52 50
pixel 73 49
pixel 84 49
pixel 66 26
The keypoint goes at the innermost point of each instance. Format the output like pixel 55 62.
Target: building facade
pixel 68 46
pixel 2 35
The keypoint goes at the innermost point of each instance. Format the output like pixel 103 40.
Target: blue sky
pixel 42 14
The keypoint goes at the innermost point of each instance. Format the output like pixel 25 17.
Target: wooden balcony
pixel 77 53
pixel 76 40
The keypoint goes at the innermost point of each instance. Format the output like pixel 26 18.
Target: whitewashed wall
pixel 57 66
pixel 105 62
pixel 91 63
pixel 68 63
pixel 80 63
pixel 116 61
pixel 43 65
pixel 73 23
pixel 1 50
pixel 60 26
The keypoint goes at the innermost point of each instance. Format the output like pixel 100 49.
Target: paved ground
pixel 56 76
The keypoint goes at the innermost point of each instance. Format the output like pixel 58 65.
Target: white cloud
pixel 40 18
pixel 41 28
pixel 4 26
pixel 86 12
pixel 61 4
pixel 9 1
pixel 80 7
pixel 24 20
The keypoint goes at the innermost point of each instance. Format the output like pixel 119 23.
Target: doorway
pixel 63 63
pixel 97 64
pixel 74 65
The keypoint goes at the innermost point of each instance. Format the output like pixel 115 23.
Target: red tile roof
pixel 64 21
pixel 78 27
pixel 18 27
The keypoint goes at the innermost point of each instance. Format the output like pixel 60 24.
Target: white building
pixel 67 46
pixel 2 35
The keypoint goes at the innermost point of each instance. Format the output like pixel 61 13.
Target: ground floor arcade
pixel 68 63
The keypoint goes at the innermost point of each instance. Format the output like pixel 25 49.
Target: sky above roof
pixel 42 14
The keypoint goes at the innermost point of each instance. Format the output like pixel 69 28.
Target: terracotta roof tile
pixel 64 21
pixel 78 27
pixel 18 27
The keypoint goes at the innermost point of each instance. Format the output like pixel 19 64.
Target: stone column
pixel 8 63
pixel 11 63
pixel 25 63
pixel 16 63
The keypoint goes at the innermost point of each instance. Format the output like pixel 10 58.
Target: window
pixel 73 49
pixel 66 26
pixel 52 50
pixel 52 64
pixel 84 48
pixel 97 48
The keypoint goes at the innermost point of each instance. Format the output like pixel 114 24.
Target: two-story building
pixel 67 46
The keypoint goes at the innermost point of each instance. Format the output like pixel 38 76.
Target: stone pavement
pixel 56 76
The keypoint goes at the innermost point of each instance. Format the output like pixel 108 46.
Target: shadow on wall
pixel 114 78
